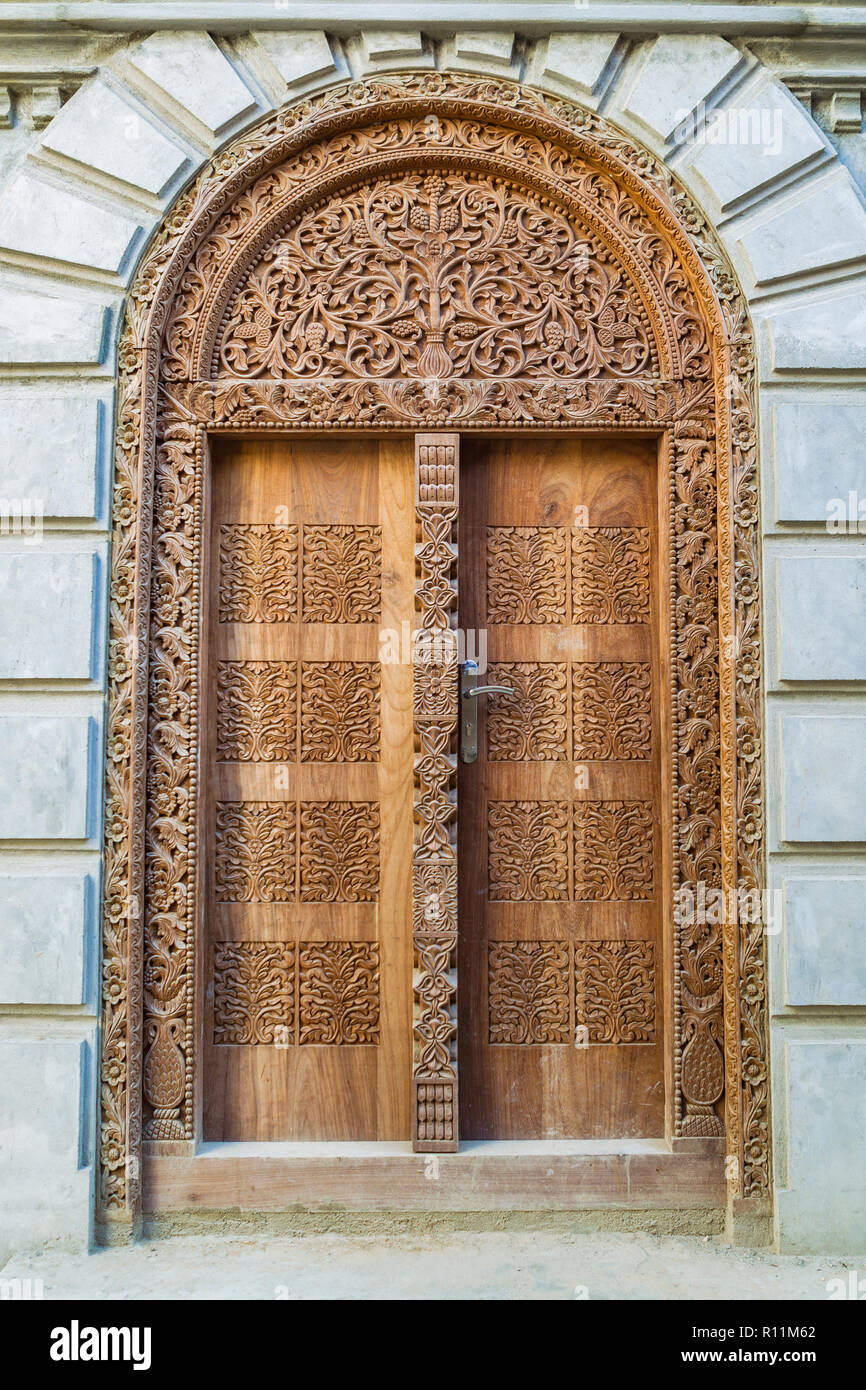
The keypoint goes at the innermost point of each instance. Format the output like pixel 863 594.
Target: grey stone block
pixel 46 329
pixel 577 62
pixel 825 227
pixel 297 57
pixel 748 142
pixel 825 941
pixel 52 452
pixel 45 777
pixel 46 1092
pixel 681 71
pixel 823 1206
pixel 822 615
pixel 50 604
pixel 824 776
pixel 44 947
pixel 39 219
pixel 819 455
pixel 98 128
pixel 193 72
pixel 487 50
pixel 820 334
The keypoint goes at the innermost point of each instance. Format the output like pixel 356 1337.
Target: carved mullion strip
pixel 434 856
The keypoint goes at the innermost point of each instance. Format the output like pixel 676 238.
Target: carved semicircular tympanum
pixel 435 276
pixel 426 251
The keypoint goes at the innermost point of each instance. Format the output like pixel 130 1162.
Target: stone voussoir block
pixel 746 143
pixel 681 72
pixel 192 71
pixel 39 329
pixel 40 219
pixel 98 128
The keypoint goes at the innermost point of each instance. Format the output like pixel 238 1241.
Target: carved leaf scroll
pixel 431 276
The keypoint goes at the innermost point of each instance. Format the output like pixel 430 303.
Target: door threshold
pixel 469 1148
pixel 500 1175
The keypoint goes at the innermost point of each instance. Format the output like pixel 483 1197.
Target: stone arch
pixel 698 392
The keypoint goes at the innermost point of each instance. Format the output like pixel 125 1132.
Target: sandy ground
pixel 463 1265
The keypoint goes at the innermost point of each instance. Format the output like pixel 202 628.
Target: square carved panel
pixel 254 992
pixel 532 724
pixel 338 988
pixel 342 574
pixel 339 851
pixel 528 992
pixel 255 851
pixel 340 711
pixel 258 574
pixel 613 850
pixel 256 711
pixel 527 574
pixel 615 990
pixel 527 851
pixel 612 710
pixel 611 574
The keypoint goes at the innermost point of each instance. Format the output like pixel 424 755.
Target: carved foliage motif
pixel 528 992
pixel 254 989
pixel 258 574
pixel 338 992
pixel 434 277
pixel 527 851
pixel 615 990
pixel 611 574
pixel 339 851
pixel 612 710
pixel 340 712
pixel 613 850
pixel 342 574
pixel 532 987
pixel 663 238
pixel 526 574
pixel 256 703
pixel 255 851
pixel 532 724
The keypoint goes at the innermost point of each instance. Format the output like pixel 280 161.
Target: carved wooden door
pixel 307 1003
pixel 560 953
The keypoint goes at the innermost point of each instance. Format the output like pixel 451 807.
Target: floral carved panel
pixel 254 992
pixel 426 276
pixel 258 574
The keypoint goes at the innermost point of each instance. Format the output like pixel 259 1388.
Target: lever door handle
pixel 469 691
pixel 489 690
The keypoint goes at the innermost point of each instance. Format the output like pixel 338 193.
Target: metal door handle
pixel 469 690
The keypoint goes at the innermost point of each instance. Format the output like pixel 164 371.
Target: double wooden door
pixel 308 763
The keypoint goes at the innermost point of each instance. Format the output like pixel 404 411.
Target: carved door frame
pixel 664 284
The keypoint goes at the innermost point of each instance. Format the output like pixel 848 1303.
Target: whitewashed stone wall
pixel 86 178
